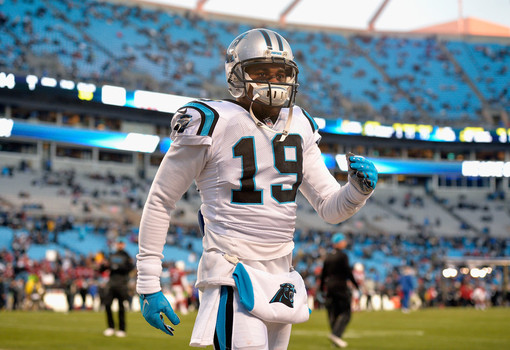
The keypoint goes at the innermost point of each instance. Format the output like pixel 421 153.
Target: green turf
pixel 449 329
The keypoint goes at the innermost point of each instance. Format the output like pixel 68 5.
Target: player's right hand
pixel 153 307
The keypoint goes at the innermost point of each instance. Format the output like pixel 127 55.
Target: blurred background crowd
pixel 63 207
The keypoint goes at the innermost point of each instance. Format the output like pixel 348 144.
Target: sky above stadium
pixel 399 15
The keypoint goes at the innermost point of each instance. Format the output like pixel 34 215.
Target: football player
pixel 248 157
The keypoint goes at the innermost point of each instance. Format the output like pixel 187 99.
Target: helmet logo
pixel 232 48
pixel 229 58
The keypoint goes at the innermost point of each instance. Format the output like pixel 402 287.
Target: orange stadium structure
pixel 467 26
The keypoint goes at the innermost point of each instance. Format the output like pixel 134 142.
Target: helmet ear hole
pixel 236 93
pixel 236 86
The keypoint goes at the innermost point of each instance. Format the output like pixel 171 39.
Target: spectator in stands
pixel 431 295
pixel 120 265
pixel 358 271
pixel 480 296
pixel 69 289
pixel 3 290
pixel 335 276
pixel 179 286
pixel 83 290
pixel 370 291
pixel 465 292
pixel 34 293
pixel 246 164
pixel 16 290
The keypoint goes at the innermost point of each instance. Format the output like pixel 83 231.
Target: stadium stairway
pixel 471 229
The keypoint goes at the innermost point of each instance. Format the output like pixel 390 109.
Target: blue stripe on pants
pixel 224 322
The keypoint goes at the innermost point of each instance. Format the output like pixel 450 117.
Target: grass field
pixel 449 329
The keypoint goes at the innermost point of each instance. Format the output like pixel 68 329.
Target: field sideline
pixel 449 329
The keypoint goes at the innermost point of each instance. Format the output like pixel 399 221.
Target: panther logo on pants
pixel 285 295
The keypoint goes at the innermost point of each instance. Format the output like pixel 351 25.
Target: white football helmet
pixel 258 46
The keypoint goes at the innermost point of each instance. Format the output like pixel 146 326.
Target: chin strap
pixel 285 131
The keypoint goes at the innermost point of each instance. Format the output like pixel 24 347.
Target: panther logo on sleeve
pixel 285 295
pixel 182 122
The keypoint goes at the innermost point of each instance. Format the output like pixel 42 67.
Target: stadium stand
pixel 77 207
pixel 408 228
pixel 420 78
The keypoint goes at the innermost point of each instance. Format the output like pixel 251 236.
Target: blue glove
pixel 153 307
pixel 362 173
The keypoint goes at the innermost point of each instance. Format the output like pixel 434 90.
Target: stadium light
pixel 475 168
pixel 86 91
pixel 6 127
pixel 49 82
pixel 168 103
pixel 113 95
pixel 376 129
pixel 475 134
pixel 450 272
pixel 480 273
pixel 67 84
pixel 159 101
pixel 7 80
pixel 31 81
pixel 139 143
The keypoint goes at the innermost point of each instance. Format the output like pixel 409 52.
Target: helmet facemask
pixel 276 93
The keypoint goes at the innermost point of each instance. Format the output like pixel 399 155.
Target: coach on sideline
pixel 335 274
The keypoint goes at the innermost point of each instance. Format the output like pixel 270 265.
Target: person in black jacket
pixel 335 274
pixel 120 264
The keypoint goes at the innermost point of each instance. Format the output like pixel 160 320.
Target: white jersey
pixel 248 180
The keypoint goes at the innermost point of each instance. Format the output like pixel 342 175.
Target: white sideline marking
pixel 389 333
pixel 362 334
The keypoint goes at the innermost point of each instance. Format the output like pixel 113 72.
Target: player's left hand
pixel 362 173
pixel 153 307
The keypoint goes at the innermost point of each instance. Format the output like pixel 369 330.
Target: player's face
pixel 267 72
pixel 263 74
